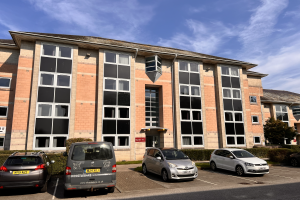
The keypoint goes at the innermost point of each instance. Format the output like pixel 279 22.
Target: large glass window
pixel 233 109
pixel 190 104
pixel 282 113
pixel 152 107
pixel 3 111
pixel 116 99
pixel 5 82
pixel 54 97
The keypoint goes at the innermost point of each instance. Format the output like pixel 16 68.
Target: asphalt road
pixel 283 191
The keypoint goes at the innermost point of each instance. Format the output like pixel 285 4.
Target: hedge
pixel 293 147
pixel 73 140
pixel 198 154
pixel 280 155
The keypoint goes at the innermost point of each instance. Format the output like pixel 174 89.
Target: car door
pixel 228 162
pixel 149 160
pixel 218 158
pixel 157 164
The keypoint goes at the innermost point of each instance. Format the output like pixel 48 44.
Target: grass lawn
pixel 129 162
pixel 139 169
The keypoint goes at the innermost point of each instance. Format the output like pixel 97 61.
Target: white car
pixel 238 160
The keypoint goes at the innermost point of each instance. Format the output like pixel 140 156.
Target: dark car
pixel 295 159
pixel 90 166
pixel 26 170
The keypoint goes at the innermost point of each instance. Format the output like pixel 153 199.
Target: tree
pixel 276 131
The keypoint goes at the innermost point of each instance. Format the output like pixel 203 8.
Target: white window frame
pixel 50 141
pixel 188 110
pixel 287 112
pixel 2 129
pixel 251 101
pixel 254 139
pixel 235 140
pixel 189 90
pixel 230 67
pixel 192 136
pixel 189 67
pixel 191 114
pixel 116 136
pixel 198 86
pixel 107 78
pixel 118 81
pixel 6 111
pixel 9 82
pixel 257 119
pixel 231 93
pixel 3 141
pixel 233 116
pixel 51 136
pixel 117 58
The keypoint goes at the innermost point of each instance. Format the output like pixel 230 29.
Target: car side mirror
pixel 52 161
pixel 158 158
pixel 65 154
pixel 231 157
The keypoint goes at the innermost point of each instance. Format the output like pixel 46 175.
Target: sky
pixel 264 32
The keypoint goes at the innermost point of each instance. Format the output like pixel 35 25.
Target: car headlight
pixel 193 164
pixel 249 164
pixel 172 165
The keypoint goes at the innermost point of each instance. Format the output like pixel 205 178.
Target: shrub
pixel 259 152
pixel 3 158
pixel 73 140
pixel 60 163
pixel 293 147
pixel 198 154
pixel 280 155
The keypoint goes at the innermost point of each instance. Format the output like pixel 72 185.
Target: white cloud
pixel 112 19
pixel 202 39
pixel 196 10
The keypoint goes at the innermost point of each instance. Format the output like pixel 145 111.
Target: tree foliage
pixel 275 131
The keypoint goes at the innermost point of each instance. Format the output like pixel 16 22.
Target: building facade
pixel 54 87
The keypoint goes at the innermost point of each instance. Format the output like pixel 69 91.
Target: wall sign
pixel 140 139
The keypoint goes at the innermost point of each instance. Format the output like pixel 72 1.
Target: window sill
pixel 122 149
pixel 182 147
pixel 5 89
pixel 255 123
pixel 252 103
pixel 4 118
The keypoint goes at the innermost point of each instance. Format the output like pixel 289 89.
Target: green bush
pixel 3 158
pixel 259 152
pixel 73 140
pixel 198 154
pixel 60 163
pixel 280 155
pixel 293 147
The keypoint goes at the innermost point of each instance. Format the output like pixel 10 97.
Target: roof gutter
pixel 272 101
pixel 130 48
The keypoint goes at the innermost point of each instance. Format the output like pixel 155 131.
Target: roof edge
pixel 252 73
pixel 13 33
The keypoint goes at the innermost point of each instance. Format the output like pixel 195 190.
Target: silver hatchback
pixel 170 163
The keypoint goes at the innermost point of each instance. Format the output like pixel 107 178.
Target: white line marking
pixel 206 182
pixel 55 189
pixel 281 176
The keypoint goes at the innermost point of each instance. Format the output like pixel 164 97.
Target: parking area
pixel 132 182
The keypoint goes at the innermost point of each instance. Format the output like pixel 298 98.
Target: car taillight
pixel 114 169
pixel 42 166
pixel 3 169
pixel 68 170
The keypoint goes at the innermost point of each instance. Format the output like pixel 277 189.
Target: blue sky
pixel 265 32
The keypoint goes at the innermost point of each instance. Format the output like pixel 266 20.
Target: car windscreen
pixel 242 154
pixel 171 154
pixel 23 161
pixel 84 152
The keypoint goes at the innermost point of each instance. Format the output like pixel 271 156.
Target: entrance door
pixel 152 141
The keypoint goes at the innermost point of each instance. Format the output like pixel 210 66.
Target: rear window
pixel 92 152
pixel 23 161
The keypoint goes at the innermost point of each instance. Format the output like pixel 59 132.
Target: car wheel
pixel 164 175
pixel 66 193
pixel 111 189
pixel 239 170
pixel 44 188
pixel 213 166
pixel 294 162
pixel 144 169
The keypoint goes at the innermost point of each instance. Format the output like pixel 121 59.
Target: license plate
pixel 92 170
pixel 187 172
pixel 262 168
pixel 20 172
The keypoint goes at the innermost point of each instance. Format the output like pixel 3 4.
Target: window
pixel 256 139
pixel 153 63
pixel 253 99
pixel 296 110
pixel 190 104
pixel 5 82
pixel 254 119
pixel 282 113
pixel 2 129
pixel 3 111
pixel 116 99
pixel 1 142
pixel 233 109
pixel 54 97
pixel 152 107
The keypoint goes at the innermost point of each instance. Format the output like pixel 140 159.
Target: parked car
pixel 26 170
pixel 295 159
pixel 170 163
pixel 90 166
pixel 238 160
